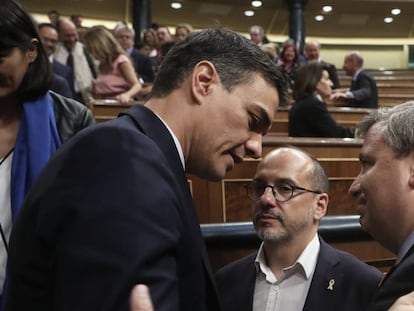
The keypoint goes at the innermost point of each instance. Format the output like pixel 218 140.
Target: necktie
pixel 69 60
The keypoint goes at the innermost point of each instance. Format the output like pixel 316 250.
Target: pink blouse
pixel 112 84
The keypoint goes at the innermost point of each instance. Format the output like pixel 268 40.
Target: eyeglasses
pixel 282 192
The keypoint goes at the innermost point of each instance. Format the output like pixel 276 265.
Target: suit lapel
pixel 322 291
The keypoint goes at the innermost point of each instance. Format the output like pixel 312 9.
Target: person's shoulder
pixel 356 267
pixel 237 266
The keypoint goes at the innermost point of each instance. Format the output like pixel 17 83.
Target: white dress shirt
pixel 289 292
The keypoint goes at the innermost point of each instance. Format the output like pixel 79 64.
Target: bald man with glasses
pixel 294 269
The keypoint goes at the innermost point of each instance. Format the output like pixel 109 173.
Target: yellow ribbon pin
pixel 331 284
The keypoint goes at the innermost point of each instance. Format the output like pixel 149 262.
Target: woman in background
pixel 288 62
pixel 117 78
pixel 34 121
pixel 309 116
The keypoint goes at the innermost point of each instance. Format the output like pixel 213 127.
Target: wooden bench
pixel 391 80
pixel 338 113
pixel 105 110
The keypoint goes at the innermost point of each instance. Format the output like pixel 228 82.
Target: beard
pixel 285 231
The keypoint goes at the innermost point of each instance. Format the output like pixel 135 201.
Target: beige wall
pixel 375 57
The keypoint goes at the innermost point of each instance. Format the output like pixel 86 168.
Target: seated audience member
pixel 384 194
pixel 72 53
pixel 363 92
pixel 309 115
pixel 142 63
pixel 50 37
pixel 294 269
pixel 288 62
pixel 34 122
pixel 182 31
pixel 163 34
pixel 312 53
pixel 150 39
pixel 54 17
pixel 116 78
pixel 164 48
pixel 257 35
pixel 270 49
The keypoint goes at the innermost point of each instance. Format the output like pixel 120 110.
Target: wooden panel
pixel 318 147
pixel 226 201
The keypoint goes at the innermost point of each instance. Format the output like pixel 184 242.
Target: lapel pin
pixel 331 284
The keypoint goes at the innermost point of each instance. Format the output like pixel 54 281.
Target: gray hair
pixel 357 57
pixel 397 124
pixel 122 26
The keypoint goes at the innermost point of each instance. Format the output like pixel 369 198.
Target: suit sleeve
pixel 363 88
pixel 112 219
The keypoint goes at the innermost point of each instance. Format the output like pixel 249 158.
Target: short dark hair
pixel 48 25
pixel 17 29
pixel 234 57
pixel 307 78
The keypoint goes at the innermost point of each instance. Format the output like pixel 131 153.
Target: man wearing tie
pixel 384 191
pixel 63 74
pixel 72 53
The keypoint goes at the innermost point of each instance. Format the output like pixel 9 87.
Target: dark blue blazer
pixel 309 117
pixel 365 92
pixel 111 209
pixel 64 71
pixel 355 283
pixel 398 282
pixel 143 66
pixel 61 86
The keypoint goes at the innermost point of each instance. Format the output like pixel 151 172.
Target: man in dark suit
pixel 312 53
pixel 61 86
pixel 294 268
pixel 113 208
pixel 142 63
pixel 363 92
pixel 49 37
pixel 384 191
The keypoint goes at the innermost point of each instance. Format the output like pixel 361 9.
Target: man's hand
pixel 140 299
pixel 404 303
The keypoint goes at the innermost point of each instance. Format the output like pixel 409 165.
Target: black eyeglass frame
pixel 249 185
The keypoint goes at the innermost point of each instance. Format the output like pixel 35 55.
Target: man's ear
pixel 204 77
pixel 32 51
pixel 321 206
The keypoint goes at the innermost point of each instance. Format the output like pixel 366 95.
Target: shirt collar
pixel 176 142
pixel 129 50
pixel 356 74
pixel 408 243
pixel 305 263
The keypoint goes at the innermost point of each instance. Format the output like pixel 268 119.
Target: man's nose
pixel 254 146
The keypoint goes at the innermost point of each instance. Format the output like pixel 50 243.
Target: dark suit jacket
pixel 64 71
pixel 333 74
pixel 61 86
pixel 365 92
pixel 355 283
pixel 397 283
pixel 111 209
pixel 309 117
pixel 143 66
